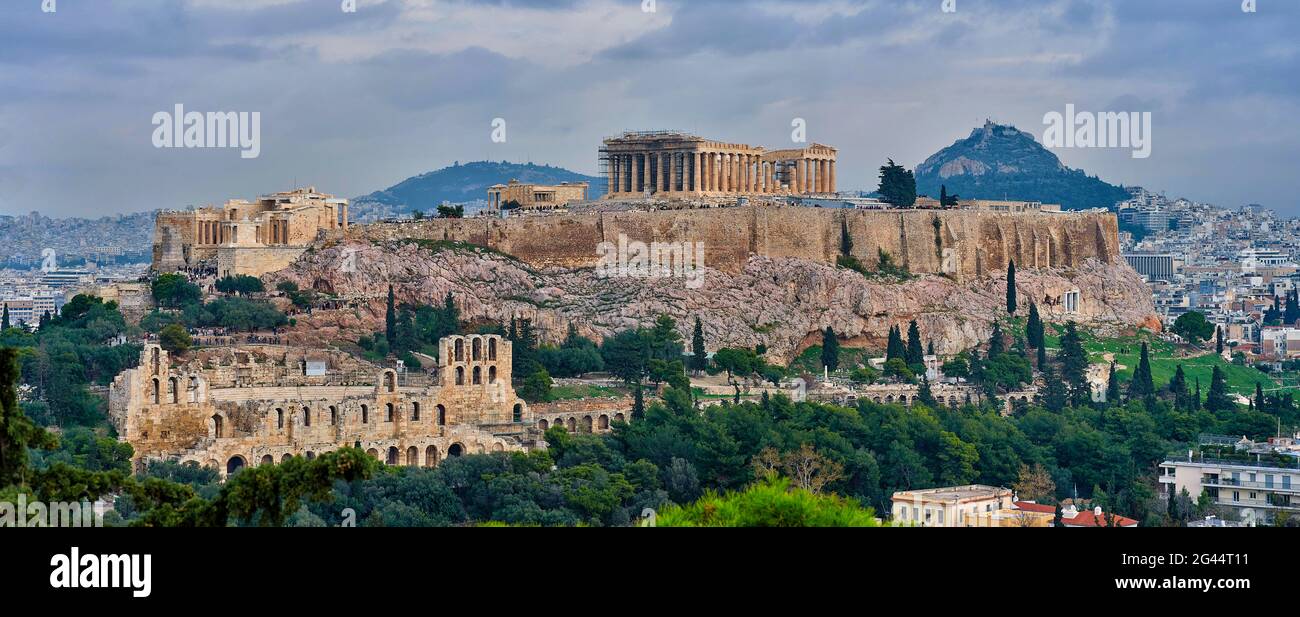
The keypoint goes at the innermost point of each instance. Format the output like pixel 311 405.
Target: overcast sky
pixel 354 102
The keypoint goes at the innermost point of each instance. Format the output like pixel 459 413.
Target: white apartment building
pixel 1257 491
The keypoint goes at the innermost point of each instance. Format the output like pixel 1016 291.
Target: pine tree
pixel 390 319
pixel 1112 387
pixel 699 357
pixel 1074 365
pixel 830 349
pixel 1142 385
pixel 996 345
pixel 1218 398
pixel 17 432
pixel 449 321
pixel 1042 357
pixel 1011 287
pixel 1178 387
pixel 924 393
pixel 1034 327
pixel 1196 404
pixel 915 353
pixel 638 403
pixel 897 185
pixel 1055 398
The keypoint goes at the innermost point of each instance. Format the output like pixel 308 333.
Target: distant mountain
pixel 462 184
pixel 1001 162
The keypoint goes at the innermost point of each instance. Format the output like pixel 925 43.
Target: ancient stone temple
pixel 232 407
pixel 668 164
pixel 518 195
pixel 245 237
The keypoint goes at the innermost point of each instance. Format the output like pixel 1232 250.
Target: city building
pixel 1154 267
pixel 994 205
pixel 676 164
pixel 1255 483
pixel 953 506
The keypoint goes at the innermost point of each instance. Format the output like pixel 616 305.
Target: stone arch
pixel 476 349
pixel 478 375
pixel 334 415
pixel 543 424
pixel 279 418
pixel 455 449
pixel 268 459
pixel 373 453
pixel 889 400
pixel 497 447
pixel 586 424
pixel 310 455
pixel 174 386
pixel 618 417
pixel 460 375
pixel 157 388
pixel 392 455
pixel 388 412
pixel 218 426
pixel 460 350
pixel 431 456
pixel 415 411
pixel 442 415
pixel 306 416
pixel 876 400
pixel 571 425
pixel 602 422
pixel 390 381
pixel 517 413
pixel 412 457
pixel 365 414
pixel 235 463
pixel 286 457
pixel 492 349
pixel 492 374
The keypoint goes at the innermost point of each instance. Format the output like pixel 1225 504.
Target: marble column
pixel 635 174
pixel 695 173
pixel 831 175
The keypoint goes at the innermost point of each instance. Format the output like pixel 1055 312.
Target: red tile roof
pixel 1030 506
pixel 1086 518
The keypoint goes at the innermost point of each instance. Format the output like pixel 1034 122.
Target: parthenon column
pixel 831 175
pixel 768 169
pixel 798 177
pixel 635 174
pixel 695 175
pixel 613 176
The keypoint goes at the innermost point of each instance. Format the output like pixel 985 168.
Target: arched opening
pixel 157 388
pixel 268 460
pixel 477 350
pixel 496 447
pixel 618 417
pixel 478 375
pixel 442 415
pixel 603 422
pixel 572 425
pixel 235 463
pixel 153 360
pixel 175 390
pixel 517 415
pixel 492 374
pixel 388 412
pixel 586 424
pixel 279 418
pixel 543 424
pixel 392 455
pixel 334 415
pixel 217 426
pixel 492 349
pixel 286 457
pixel 306 416
pixel 415 411
pixel 460 375
pixel 412 457
pixel 431 456
pixel 310 455
pixel 455 450
pixel 460 350
pixel 365 415
pixel 390 382
pixel 373 453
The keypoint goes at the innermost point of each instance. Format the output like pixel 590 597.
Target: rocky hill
pixel 461 184
pixel 1002 162
pixel 780 302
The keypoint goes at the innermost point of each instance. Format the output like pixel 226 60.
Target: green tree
pixel 1218 399
pixel 1011 287
pixel 1193 327
pixel 1074 365
pixel 830 349
pixel 537 386
pixel 996 343
pixel 846 239
pixel 174 291
pixel 390 319
pixel 895 348
pixel 897 185
pixel 1142 385
pixel 1178 388
pixel 699 356
pixel 1218 340
pixel 915 353
pixel 175 339
pixel 1034 328
pixel 4 321
pixel 17 432
pixel 240 284
pixel 771 503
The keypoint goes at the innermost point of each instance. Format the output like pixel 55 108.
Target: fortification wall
pixel 961 243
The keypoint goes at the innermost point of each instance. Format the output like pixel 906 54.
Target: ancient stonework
pixel 961 244
pixel 233 407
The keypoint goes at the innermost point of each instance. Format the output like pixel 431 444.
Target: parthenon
pixel 670 163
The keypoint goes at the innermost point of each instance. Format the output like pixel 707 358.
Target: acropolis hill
pixel 959 243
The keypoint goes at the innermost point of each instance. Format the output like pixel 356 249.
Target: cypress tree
pixel 699 357
pixel 915 354
pixel 1011 287
pixel 1055 398
pixel 1042 357
pixel 929 348
pixel 1112 387
pixel 1259 396
pixel 830 349
pixel 390 319
pixel 1034 328
pixel 1142 385
pixel 4 322
pixel 1218 340
pixel 1218 398
pixel 996 346
pixel 1074 365
pixel 1178 387
pixel 1196 404
pixel 638 403
pixel 846 240
pixel 896 348
pixel 924 393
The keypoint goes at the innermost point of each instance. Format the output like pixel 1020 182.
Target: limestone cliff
pixel 780 302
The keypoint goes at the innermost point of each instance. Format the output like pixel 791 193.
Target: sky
pixel 353 102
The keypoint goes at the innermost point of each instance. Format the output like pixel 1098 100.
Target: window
pixel 334 415
pixel 460 350
pixel 388 412
pixel 415 411
pixel 492 349
pixel 460 375
pixel 478 375
pixel 1236 495
pixel 279 418
pixel 365 414
pixel 492 374
pixel 518 414
pixel 306 416
pixel 442 415
pixel 477 349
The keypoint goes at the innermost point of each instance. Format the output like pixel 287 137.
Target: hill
pixel 462 184
pixel 1002 162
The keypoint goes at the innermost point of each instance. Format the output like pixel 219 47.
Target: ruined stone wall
pixel 255 261
pixel 960 243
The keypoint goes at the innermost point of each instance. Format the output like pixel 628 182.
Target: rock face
pixel 782 303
